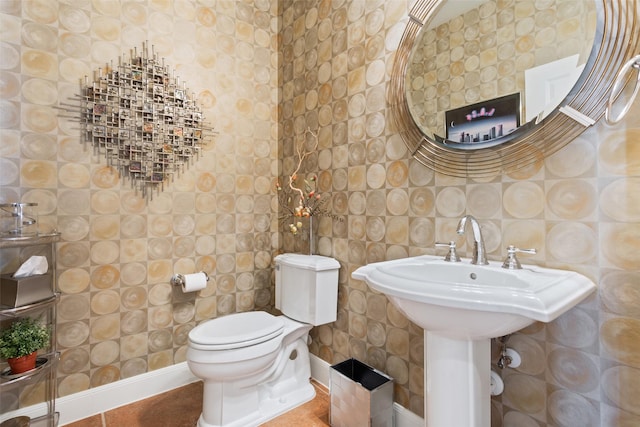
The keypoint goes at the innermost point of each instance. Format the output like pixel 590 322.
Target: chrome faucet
pixel 479 254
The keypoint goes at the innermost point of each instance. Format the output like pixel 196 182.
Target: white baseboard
pixel 104 398
pixel 402 417
pixel 82 405
pixel 319 370
pixel 109 396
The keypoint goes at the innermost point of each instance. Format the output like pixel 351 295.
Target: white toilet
pixel 255 366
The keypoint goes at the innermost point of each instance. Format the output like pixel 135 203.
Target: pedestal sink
pixel 461 307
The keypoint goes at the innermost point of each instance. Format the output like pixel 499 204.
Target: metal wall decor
pixel 143 119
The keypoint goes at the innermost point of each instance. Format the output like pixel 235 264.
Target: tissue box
pixel 25 290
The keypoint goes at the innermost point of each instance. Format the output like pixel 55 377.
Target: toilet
pixel 255 366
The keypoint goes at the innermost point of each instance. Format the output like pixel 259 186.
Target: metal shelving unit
pixel 37 386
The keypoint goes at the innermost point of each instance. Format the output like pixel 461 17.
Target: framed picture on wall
pixel 484 121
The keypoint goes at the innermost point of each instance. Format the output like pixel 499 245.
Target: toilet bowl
pixel 254 365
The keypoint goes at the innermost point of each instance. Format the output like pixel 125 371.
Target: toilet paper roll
pixel 194 282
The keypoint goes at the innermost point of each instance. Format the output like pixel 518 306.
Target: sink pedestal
pixel 457 381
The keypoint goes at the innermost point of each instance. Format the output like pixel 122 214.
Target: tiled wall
pixel 579 208
pixel 118 315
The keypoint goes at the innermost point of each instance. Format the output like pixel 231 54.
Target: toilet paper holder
pixel 179 280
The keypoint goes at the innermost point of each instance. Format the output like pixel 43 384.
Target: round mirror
pixel 481 68
pixel 483 87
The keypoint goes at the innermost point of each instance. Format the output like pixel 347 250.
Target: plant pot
pixel 22 364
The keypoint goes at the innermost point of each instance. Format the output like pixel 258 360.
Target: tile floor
pixel 181 408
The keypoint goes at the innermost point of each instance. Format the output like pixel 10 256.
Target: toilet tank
pixel 307 287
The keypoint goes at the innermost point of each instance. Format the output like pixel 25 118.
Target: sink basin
pixel 461 306
pixel 466 301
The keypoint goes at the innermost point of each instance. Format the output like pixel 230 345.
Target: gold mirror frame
pixel 617 39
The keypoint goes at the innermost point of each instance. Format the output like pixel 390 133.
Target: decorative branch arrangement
pixel 144 121
pixel 303 202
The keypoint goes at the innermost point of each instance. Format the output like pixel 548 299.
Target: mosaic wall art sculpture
pixel 143 119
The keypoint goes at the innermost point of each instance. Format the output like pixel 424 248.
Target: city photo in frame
pixel 484 121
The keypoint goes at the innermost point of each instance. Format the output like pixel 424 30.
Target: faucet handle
pixel 511 262
pixel 452 255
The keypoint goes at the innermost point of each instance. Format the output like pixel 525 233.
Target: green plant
pixel 23 337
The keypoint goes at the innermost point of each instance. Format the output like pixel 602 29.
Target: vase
pixel 22 364
pixel 311 237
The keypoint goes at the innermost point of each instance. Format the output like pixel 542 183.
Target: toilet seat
pixel 236 331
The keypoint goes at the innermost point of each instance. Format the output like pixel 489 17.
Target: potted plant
pixel 20 342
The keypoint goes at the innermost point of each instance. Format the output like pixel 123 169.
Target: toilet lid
pixel 237 330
